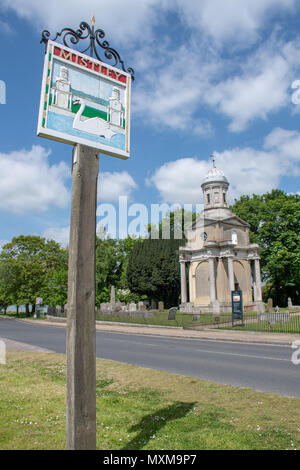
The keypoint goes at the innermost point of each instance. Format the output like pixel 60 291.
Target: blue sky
pixel 211 77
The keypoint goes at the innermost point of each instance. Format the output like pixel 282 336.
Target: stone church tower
pixel 218 255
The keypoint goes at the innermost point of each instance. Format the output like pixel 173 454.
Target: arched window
pixel 234 238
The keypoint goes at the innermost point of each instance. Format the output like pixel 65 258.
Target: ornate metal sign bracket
pixel 70 38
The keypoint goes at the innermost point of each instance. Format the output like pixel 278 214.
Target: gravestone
pixel 172 313
pixel 273 318
pixel 132 307
pixel 260 307
pixel 216 308
pixel 270 305
pixel 186 308
pixel 112 295
pixel 290 304
pixel 196 317
pixel 161 306
pixel 276 309
pixel 104 306
pixel 118 306
pixel 141 306
pixel 153 305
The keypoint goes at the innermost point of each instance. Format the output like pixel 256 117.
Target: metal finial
pixel 93 20
pixel 213 159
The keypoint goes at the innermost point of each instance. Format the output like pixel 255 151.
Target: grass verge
pixel 140 409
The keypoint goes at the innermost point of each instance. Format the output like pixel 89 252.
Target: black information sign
pixel 237 305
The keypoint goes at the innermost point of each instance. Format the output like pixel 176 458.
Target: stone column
pixel 81 331
pixel 257 280
pixel 212 282
pixel 183 282
pixel 230 274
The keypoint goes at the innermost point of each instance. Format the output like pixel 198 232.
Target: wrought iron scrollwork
pixel 71 38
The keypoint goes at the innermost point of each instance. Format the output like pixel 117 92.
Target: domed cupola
pixel 215 188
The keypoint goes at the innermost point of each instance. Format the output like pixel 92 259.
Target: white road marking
pixel 243 355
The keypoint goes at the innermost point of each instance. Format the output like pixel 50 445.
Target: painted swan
pixel 94 125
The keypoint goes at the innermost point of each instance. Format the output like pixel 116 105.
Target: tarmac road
pixel 263 367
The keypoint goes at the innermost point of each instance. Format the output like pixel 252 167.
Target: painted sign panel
pixel 84 101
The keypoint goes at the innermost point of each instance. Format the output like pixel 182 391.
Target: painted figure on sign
pixel 115 113
pixel 62 90
pixel 93 125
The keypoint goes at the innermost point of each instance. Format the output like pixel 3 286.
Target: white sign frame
pixel 57 104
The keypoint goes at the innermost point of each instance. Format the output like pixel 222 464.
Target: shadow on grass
pixel 150 424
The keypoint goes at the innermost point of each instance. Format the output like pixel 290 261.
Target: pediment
pixel 206 221
pixel 235 220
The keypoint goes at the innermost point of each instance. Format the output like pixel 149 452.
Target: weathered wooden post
pixel 86 103
pixel 81 331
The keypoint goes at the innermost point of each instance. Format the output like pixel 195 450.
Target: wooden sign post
pixel 84 102
pixel 81 331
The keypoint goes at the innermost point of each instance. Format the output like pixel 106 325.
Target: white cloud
pixel 134 20
pixel 249 171
pixel 122 21
pixel 180 181
pixel 113 185
pixel 171 91
pixel 260 88
pixel 176 82
pixel 237 21
pixel 59 234
pixel 175 93
pixel 29 183
pixel 286 143
pixel 252 96
pixel 5 27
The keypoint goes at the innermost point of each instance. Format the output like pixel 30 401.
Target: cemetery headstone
pixel 172 313
pixel 132 307
pixel 270 305
pixel 141 306
pixel 112 295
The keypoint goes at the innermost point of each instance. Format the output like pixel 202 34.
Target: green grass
pixel 161 319
pixel 184 320
pixel 140 409
pixel 15 315
pixel 292 326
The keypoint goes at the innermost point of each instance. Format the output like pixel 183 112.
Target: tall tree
pixel 111 265
pixel 153 270
pixel 32 260
pixel 274 220
pixel 153 267
pixel 9 283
